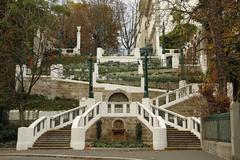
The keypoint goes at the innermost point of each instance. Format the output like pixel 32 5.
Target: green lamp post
pixel 163 39
pixel 182 61
pixel 146 51
pixel 90 90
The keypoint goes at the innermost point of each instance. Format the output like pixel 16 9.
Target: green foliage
pixel 180 35
pixel 138 133
pixel 42 103
pixel 127 144
pixel 7 134
pixel 69 60
pixel 99 129
pixel 114 67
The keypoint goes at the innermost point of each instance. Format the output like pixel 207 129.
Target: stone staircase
pixel 182 140
pixel 54 139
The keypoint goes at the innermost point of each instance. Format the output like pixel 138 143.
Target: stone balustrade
pixel 28 135
pixel 178 121
pixel 103 109
pixel 171 98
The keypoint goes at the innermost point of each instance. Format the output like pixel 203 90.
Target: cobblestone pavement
pixel 144 155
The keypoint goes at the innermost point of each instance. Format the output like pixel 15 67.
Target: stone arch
pixel 118 124
pixel 118 96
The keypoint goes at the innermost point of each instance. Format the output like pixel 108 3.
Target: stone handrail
pixel 146 116
pixel 178 121
pixel 67 117
pixel 171 98
pixel 117 109
pixel 38 126
pixel 28 135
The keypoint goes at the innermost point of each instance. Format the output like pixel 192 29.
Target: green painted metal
pixel 90 92
pixel 163 39
pixel 182 62
pixel 218 127
pixel 146 52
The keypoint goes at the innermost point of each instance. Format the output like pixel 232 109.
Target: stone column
pixel 140 67
pixel 100 53
pixel 203 62
pixel 157 42
pixel 56 71
pixel 235 130
pixel 79 38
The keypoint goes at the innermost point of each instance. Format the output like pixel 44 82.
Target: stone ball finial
pixel 79 28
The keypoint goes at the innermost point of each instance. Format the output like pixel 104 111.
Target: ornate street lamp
pixel 182 61
pixel 163 39
pixel 146 52
pixel 90 90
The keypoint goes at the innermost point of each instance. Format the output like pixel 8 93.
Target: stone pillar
pixel 25 138
pixel 175 61
pixel 157 42
pixel 203 62
pixel 146 102
pixel 182 83
pixel 136 53
pixel 24 70
pixel 100 53
pixel 79 38
pixel 78 138
pixel 159 138
pixel 235 130
pixel 230 91
pixel 142 84
pixel 56 71
pixel 140 67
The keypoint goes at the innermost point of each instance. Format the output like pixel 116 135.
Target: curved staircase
pixel 54 139
pixel 52 133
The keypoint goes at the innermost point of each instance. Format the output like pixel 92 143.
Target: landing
pixel 140 155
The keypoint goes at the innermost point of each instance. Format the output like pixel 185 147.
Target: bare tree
pixel 129 19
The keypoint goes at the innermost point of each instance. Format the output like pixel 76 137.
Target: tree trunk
pixel 22 115
pixel 216 27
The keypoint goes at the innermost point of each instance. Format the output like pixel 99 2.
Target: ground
pixel 106 154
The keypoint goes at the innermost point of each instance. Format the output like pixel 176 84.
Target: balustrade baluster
pixel 177 94
pixel 166 116
pixel 142 112
pixel 175 121
pixel 188 90
pixel 167 98
pixel 71 115
pixel 61 120
pixel 157 102
pixel 184 123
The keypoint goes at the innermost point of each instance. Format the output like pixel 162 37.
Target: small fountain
pixel 118 131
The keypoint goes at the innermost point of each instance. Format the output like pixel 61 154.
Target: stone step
pixel 52 142
pixel 53 139
pixel 183 140
pixel 51 145
pixel 184 145
pixel 183 148
pixel 46 148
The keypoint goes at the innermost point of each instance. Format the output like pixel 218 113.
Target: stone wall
pixel 220 149
pixel 129 126
pixel 190 107
pixel 77 90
